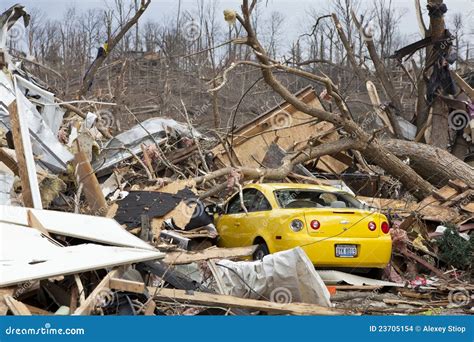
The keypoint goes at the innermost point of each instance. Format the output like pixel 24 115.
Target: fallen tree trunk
pixel 434 164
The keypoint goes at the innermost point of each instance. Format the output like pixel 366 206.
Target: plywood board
pixel 90 228
pixel 26 255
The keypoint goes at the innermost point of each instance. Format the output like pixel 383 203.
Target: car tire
pixel 261 251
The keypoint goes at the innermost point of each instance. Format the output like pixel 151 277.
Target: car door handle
pixel 236 224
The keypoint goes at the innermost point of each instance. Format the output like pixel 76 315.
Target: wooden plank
pixel 9 161
pixel 85 174
pixel 16 307
pixel 445 193
pixel 468 207
pixel 37 311
pixel 180 258
pixel 126 285
pixel 3 292
pixel 24 154
pixel 212 299
pixel 91 301
pixel 469 194
pixel 463 84
pixel 458 184
pixel 150 307
pixel 33 222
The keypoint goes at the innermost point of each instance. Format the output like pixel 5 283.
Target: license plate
pixel 346 251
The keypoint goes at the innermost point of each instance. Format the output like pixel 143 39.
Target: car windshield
pixel 296 198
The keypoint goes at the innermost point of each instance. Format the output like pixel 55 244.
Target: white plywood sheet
pixel 337 277
pixel 27 255
pixel 90 228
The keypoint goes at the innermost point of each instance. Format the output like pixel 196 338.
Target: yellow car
pixel 332 227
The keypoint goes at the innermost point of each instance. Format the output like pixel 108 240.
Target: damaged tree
pixel 362 141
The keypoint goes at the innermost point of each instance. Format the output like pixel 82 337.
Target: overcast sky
pixel 293 10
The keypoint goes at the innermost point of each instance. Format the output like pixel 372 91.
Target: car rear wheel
pixel 261 251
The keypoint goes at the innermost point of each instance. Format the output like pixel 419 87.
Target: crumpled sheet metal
pixel 53 155
pixel 282 277
pixel 132 139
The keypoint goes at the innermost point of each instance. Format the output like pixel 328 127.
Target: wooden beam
pixel 33 222
pixel 24 154
pixel 16 307
pixel 126 285
pixel 91 301
pixel 463 84
pixel 212 299
pixel 149 307
pixel 181 258
pixel 9 161
pixel 85 174
pixel 37 311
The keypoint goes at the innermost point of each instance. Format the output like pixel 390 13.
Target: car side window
pixel 261 203
pixel 253 200
pixel 235 207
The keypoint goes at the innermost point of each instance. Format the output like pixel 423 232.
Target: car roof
pixel 299 186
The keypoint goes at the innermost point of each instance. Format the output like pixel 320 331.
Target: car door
pixel 236 227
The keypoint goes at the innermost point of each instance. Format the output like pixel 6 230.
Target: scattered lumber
pixel 16 307
pixel 211 299
pixel 180 258
pixel 92 299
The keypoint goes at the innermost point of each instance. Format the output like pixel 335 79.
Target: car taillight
pixel 296 225
pixel 372 226
pixel 385 227
pixel 315 224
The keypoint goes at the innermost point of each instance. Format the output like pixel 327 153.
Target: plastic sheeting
pixel 282 277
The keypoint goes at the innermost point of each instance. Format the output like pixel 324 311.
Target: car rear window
pixel 292 199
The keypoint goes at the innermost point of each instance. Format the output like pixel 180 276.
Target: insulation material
pixel 283 277
pixel 41 258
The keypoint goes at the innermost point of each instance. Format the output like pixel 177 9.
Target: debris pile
pixel 125 225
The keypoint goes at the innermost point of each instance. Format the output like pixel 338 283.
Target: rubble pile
pixel 124 225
